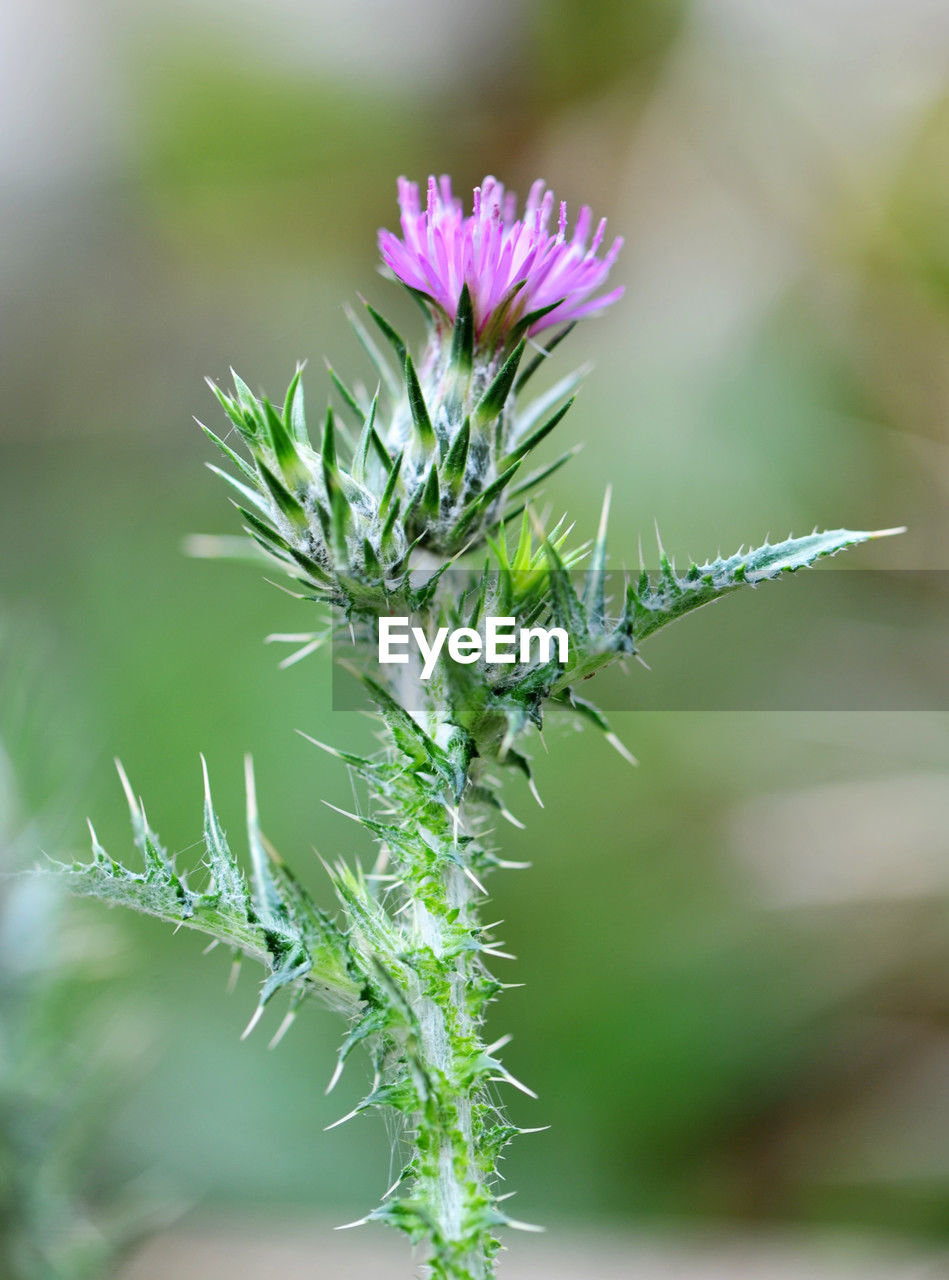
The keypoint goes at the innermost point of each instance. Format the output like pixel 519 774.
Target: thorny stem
pixel 455 1178
pixel 455 1151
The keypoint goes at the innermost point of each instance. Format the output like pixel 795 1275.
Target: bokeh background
pixel 735 958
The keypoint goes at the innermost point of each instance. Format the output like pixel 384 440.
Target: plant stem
pixel 446 990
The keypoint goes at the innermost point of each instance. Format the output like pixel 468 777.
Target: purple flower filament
pixel 512 266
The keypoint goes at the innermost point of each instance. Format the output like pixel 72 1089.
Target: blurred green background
pixel 736 959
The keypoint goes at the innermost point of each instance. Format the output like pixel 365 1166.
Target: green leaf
pixel 277 924
pixel 656 603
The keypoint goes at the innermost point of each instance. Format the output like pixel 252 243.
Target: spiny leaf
pixel 226 876
pixel 280 926
pixel 656 604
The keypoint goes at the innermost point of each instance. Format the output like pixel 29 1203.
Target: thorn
pixel 345 812
pixel 210 947
pixel 317 743
pixel 543 741
pixel 621 747
pixel 506 813
pixel 475 881
pixel 250 790
pixel 300 654
pixel 284 1027
pixel 499 955
pixel 347 1226
pixel 523 1226
pixel 888 533
pixel 662 550
pixel 296 595
pixel 604 514
pixel 233 975
pixel 506 1078
pixel 541 1128
pixel 534 792
pixel 334 1078
pixel 335 1125
pixel 207 780
pixel 257 1015
pixel 498 1044
pixel 126 786
pixel 514 866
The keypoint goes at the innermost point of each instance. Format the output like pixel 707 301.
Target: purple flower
pixel 512 266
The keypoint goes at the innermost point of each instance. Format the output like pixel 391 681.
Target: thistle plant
pixel 415 504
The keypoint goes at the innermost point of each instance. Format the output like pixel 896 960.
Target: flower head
pixel 513 267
